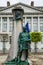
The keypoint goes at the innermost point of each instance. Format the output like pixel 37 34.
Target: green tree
pixel 36 37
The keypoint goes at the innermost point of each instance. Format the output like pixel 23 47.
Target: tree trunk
pixel 35 47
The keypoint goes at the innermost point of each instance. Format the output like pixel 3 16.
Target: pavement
pixel 37 59
pixel 3 58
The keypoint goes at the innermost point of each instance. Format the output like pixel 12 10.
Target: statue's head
pixel 24 29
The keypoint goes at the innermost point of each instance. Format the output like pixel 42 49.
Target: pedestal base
pixel 13 62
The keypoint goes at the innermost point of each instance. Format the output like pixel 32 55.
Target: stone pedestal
pixel 17 28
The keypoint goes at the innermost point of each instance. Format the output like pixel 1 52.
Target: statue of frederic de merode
pixel 24 41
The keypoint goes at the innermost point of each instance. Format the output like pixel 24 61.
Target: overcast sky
pixel 36 2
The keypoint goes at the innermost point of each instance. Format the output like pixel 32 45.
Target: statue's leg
pixel 26 52
pixel 19 56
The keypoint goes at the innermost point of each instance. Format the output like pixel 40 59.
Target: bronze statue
pixel 24 41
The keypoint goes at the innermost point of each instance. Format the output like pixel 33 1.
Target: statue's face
pixel 17 15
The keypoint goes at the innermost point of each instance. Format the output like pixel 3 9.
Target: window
pixel 41 27
pixel 42 39
pixel 35 27
pixel 7 46
pixel 11 19
pixel 1 46
pixel 29 21
pixel 10 24
pixel 4 29
pixel 0 23
pixel 41 24
pixel 0 19
pixel 0 26
pixel 11 27
pixel 35 24
pixel 4 47
pixel 4 19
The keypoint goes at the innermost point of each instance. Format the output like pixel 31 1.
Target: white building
pixel 32 14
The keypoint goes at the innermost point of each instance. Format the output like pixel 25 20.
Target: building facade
pixel 32 14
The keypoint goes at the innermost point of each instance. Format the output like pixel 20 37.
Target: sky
pixel 36 2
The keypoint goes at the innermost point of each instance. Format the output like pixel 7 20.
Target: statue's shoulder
pixel 21 33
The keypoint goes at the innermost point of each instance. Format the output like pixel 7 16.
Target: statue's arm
pixel 29 37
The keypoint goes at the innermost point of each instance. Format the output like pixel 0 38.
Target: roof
pixel 2 8
pixel 39 7
pixel 33 7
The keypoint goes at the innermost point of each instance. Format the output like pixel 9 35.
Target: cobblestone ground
pixel 3 58
pixel 37 59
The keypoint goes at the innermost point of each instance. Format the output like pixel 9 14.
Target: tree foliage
pixel 36 36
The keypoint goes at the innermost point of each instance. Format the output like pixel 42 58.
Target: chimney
pixel 8 3
pixel 32 3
